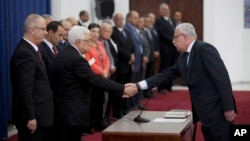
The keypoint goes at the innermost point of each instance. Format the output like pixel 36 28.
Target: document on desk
pixel 169 120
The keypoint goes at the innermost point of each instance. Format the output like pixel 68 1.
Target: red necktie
pixel 54 50
pixel 39 55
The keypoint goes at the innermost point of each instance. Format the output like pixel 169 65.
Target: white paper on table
pixel 169 120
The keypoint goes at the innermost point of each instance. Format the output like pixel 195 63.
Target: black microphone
pixel 139 118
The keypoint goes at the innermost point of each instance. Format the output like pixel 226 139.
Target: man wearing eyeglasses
pixel 208 81
pixel 32 105
pixel 72 81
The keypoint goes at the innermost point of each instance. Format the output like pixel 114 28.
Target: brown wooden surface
pixel 126 129
pixel 192 10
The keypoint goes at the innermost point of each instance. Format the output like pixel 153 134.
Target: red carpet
pixel 179 99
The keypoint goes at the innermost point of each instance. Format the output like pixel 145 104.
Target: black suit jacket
pixel 48 57
pixel 72 81
pixel 167 49
pixel 125 47
pixel 32 94
pixel 113 52
pixel 208 81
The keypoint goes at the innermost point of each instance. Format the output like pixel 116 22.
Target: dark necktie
pixel 54 50
pixel 124 34
pixel 187 57
pixel 171 23
pixel 39 55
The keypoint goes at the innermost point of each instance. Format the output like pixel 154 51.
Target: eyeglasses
pixel 175 37
pixel 88 41
pixel 42 28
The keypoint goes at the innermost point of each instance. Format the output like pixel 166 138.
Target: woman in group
pixel 100 64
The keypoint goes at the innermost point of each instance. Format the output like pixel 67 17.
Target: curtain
pixel 12 16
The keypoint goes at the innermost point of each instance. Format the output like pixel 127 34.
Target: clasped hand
pixel 130 90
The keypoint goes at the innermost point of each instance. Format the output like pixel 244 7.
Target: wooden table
pixel 126 129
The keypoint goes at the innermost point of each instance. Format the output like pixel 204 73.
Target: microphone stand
pixel 139 118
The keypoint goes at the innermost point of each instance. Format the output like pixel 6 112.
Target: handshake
pixel 130 90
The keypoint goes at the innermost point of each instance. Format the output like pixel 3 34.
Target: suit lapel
pixel 167 22
pixel 49 50
pixel 191 61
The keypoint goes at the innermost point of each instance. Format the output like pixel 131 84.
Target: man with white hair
pixel 208 81
pixel 72 81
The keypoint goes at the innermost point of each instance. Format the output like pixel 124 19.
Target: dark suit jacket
pixel 48 57
pixel 113 52
pixel 125 47
pixel 208 82
pixel 167 48
pixel 32 95
pixel 72 81
pixel 61 45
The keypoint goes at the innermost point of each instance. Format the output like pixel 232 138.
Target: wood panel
pixel 192 10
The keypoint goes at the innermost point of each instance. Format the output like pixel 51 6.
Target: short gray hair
pixel 31 21
pixel 162 6
pixel 76 33
pixel 187 28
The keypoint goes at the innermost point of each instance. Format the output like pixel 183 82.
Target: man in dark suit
pixel 208 81
pixel 125 58
pixel 112 50
pixel 66 24
pixel 32 105
pixel 72 81
pixel 165 28
pixel 83 18
pixel 48 46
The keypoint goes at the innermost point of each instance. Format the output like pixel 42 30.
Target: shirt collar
pixel 48 43
pixel 32 44
pixel 120 29
pixel 76 49
pixel 190 46
pixel 82 23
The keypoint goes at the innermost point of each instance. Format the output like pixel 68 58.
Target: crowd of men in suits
pixel 132 47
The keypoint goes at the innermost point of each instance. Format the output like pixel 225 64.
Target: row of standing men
pixel 130 49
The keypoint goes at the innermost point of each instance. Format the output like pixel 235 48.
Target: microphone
pixel 139 118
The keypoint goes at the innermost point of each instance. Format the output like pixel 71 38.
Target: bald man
pixel 165 28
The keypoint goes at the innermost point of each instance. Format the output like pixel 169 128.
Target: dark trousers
pixel 122 78
pixel 114 101
pixel 97 100
pixel 136 77
pixel 218 132
pixel 41 134
pixel 69 133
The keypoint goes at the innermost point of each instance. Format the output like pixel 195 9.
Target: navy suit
pixel 137 65
pixel 48 56
pixel 209 85
pixel 138 47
